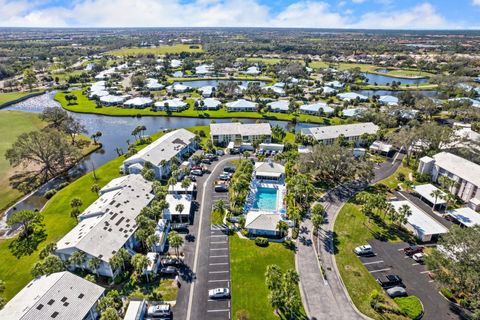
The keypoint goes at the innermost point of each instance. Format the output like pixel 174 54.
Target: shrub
pixel 447 293
pixel 410 306
pixel 50 193
pixel 401 176
pixel 261 242
pixel 62 185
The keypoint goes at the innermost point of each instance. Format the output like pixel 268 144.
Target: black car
pixel 169 270
pixel 221 188
pixel 192 178
pixel 229 169
pixel 169 262
pixel 206 161
pixel 390 281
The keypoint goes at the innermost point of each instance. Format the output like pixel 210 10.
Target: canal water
pixel 116 133
pixel 384 79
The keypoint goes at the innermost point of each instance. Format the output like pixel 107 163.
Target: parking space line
pixel 222 256
pixel 218 263
pixel 226 280
pixel 217 235
pixel 219 310
pixel 380 270
pixel 415 264
pixel 218 271
pixel 218 249
pixel 373 262
pixel 426 271
pixel 431 281
pixel 218 242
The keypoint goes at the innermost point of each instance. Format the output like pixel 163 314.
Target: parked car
pixel 390 281
pixel 169 270
pixel 167 262
pixel 159 311
pixel 192 178
pixel 229 169
pixel 211 157
pixel 224 176
pixel 196 172
pixel 411 250
pixel 180 227
pixel 235 151
pixel 206 161
pixel 365 250
pixel 221 187
pixel 396 292
pixel 419 257
pixel 219 153
pixel 219 293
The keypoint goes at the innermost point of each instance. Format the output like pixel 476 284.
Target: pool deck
pixel 281 191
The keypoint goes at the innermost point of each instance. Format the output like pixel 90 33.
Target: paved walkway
pixel 328 299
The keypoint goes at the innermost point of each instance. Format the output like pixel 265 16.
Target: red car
pixel 410 251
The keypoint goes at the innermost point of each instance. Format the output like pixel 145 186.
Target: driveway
pixel 390 259
pixel 329 299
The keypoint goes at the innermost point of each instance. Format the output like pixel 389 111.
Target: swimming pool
pixel 265 199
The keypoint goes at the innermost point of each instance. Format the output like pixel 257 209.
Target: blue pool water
pixel 265 199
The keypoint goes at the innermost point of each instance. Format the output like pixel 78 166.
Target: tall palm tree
pixel 77 259
pixel 449 198
pixel 172 182
pixel 282 227
pixel 140 263
pixel 186 183
pixel 179 208
pixel 219 206
pixel 175 241
pixel 94 264
pixel 436 194
pixel 403 213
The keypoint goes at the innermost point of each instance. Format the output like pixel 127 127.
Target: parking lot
pixel 390 259
pixel 218 273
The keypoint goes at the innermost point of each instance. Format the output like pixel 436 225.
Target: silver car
pixel 396 292
pixel 218 293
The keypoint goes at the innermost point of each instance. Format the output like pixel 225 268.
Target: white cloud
pixel 358 1
pixel 476 2
pixel 422 16
pixel 210 13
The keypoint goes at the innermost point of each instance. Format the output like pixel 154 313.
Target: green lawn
pixel 174 49
pixel 164 290
pixel 248 264
pixel 12 124
pixel 351 230
pixel 11 96
pixel 84 105
pixel 392 182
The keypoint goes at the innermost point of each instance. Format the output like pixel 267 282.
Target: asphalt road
pixel 328 298
pixel 192 301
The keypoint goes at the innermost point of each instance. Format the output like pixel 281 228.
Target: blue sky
pixel 373 14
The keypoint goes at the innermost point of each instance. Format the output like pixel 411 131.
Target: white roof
pixel 153 84
pixel 466 216
pixel 164 148
pixel 352 112
pixel 62 294
pixel 315 107
pixel 269 169
pixel 178 188
pixel 172 103
pixel 334 84
pixel 390 100
pixel 459 166
pixel 138 101
pixel 178 87
pixel 328 90
pixel 206 89
pixel 279 105
pixel 348 130
pixel 420 221
pixel 112 99
pixel 262 220
pixel 174 63
pixel 113 220
pixel 242 104
pixel 203 69
pixel 381 146
pixel 351 96
pixel 252 70
pixel 175 199
pixel 425 191
pixel 211 103
pixel 98 93
pixel 134 310
pixel 276 90
pixel 237 128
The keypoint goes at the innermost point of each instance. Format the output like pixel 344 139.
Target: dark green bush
pixel 261 242
pixel 50 193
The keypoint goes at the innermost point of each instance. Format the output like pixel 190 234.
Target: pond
pixel 369 93
pixel 214 83
pixel 116 133
pixel 384 79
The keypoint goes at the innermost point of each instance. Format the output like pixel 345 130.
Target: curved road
pixel 328 298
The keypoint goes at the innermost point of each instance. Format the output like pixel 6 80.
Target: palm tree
pixel 282 227
pixel 403 213
pixel 186 183
pixel 77 259
pixel 449 198
pixel 172 182
pixel 436 194
pixel 179 208
pixel 152 240
pixel 139 263
pixel 175 241
pixel 94 264
pixel 219 206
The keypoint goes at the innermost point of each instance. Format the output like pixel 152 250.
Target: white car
pixel 219 293
pixel 418 257
pixel 161 310
pixel 396 292
pixel 365 250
